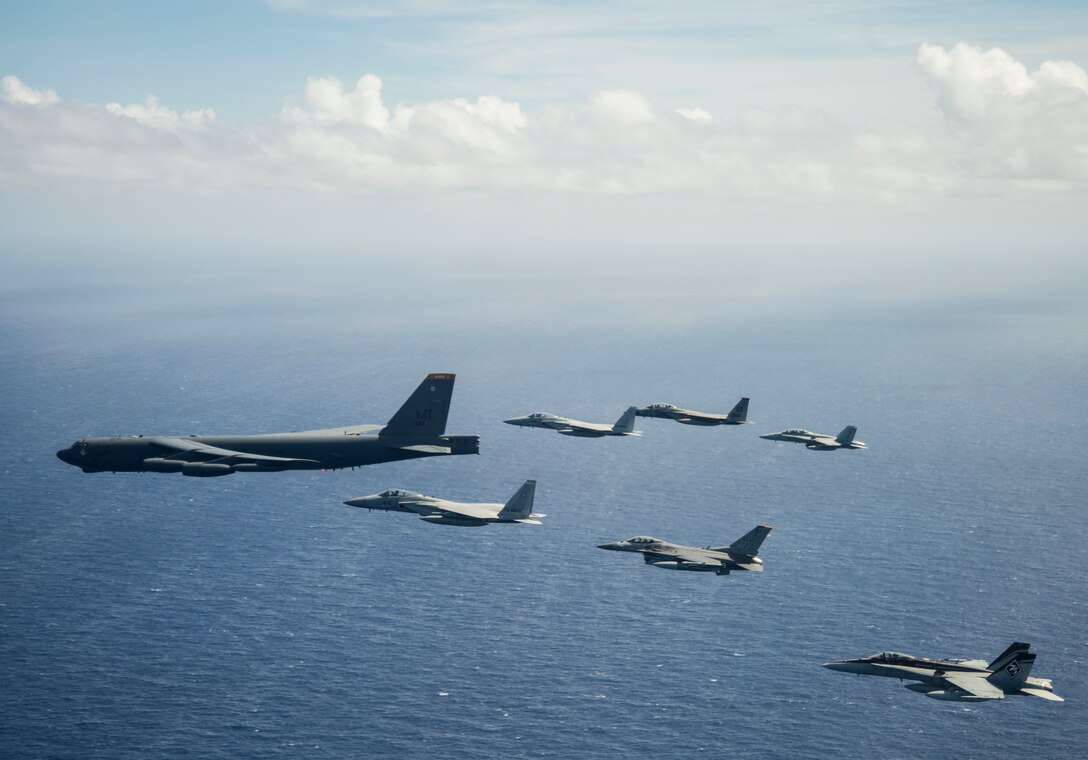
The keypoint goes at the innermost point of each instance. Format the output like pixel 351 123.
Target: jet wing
pixel 689 556
pixel 475 511
pixel 976 685
pixel 1042 693
pixel 193 451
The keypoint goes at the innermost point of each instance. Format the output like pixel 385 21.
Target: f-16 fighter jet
pixel 625 425
pixel 738 416
pixel 961 680
pixel 819 441
pixel 739 555
pixel 416 430
pixel 439 511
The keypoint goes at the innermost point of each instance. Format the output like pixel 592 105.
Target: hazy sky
pixel 751 138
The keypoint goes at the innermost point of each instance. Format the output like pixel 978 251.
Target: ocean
pixel 252 616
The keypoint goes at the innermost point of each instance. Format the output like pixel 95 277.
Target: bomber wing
pixel 184 450
pixel 976 685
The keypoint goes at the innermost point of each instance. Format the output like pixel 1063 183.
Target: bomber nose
pixel 66 455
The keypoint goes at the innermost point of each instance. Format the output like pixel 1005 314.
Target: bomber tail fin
pixel 425 411
pixel 626 422
pixel 750 542
pixel 846 437
pixel 739 413
pixel 520 505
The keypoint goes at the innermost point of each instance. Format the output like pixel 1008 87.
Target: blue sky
pixel 696 132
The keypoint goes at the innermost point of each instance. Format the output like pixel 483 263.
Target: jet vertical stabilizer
pixel 739 413
pixel 425 411
pixel 626 423
pixel 520 505
pixel 749 543
pixel 846 437
pixel 1012 668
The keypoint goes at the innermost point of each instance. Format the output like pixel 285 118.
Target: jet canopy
pixel 540 415
pixel 891 657
pixel 396 492
pixel 642 540
pixel 664 406
pixel 798 431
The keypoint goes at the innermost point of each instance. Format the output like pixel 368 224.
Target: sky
pixel 784 144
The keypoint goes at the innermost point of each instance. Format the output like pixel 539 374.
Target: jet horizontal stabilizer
pixel 1043 693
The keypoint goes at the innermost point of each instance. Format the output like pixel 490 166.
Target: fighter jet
pixel 960 680
pixel 519 509
pixel 819 441
pixel 739 555
pixel 738 415
pixel 625 425
pixel 416 430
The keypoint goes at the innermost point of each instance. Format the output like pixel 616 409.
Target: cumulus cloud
pixel 154 114
pixel 1004 121
pixel 999 121
pixel 18 93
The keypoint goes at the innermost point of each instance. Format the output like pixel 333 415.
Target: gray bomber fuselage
pixel 418 429
pixel 317 451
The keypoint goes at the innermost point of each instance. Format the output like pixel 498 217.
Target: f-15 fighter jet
pixel 960 680
pixel 819 441
pixel 738 415
pixel 416 430
pixel 625 425
pixel 519 509
pixel 739 555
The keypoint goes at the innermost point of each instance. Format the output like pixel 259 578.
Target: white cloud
pixel 154 114
pixel 18 93
pixel 999 121
pixel 1006 122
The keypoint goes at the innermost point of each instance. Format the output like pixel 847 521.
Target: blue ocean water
pixel 256 616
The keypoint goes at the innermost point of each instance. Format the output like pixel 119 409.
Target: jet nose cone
pixel 768 437
pixel 356 502
pixel 612 546
pixel 837 665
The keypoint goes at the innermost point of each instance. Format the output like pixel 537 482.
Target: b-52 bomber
pixel 416 430
pixel 625 425
pixel 737 416
pixel 819 441
pixel 519 509
pixel 958 680
pixel 739 555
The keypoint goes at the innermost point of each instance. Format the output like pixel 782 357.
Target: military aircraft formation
pixel 418 430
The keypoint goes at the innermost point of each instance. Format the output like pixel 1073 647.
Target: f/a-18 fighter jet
pixel 416 430
pixel 819 441
pixel 625 425
pixel 738 415
pixel 959 680
pixel 739 555
pixel 441 512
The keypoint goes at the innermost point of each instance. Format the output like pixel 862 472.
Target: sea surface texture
pixel 253 616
